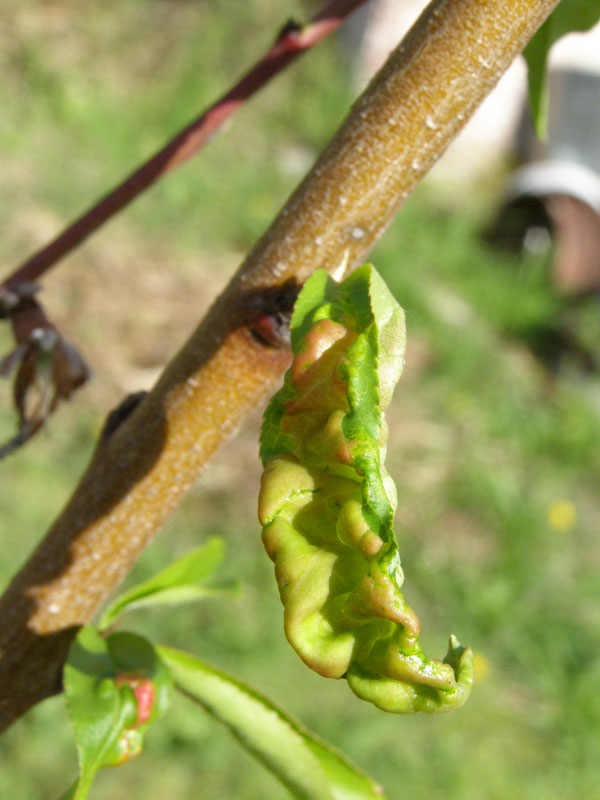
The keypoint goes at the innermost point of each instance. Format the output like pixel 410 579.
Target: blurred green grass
pixel 496 460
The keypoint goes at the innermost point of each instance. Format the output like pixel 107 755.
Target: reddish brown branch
pixel 291 42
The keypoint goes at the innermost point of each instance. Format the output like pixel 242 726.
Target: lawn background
pixel 496 457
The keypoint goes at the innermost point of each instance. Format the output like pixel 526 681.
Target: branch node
pixel 119 414
pixel 289 33
pixel 270 312
pixel 11 299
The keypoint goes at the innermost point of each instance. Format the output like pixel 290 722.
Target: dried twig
pixel 47 368
pixel 292 41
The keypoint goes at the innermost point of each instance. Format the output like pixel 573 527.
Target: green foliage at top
pixel 327 503
pixel 568 16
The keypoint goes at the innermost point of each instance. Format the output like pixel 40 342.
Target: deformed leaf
pixel 569 16
pixel 113 688
pixel 327 503
pixel 307 766
pixel 176 583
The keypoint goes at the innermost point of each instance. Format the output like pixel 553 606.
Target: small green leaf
pixel 308 767
pixel 568 17
pixel 171 597
pixel 113 688
pixel 176 583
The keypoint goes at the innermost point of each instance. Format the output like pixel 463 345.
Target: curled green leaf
pixel 327 503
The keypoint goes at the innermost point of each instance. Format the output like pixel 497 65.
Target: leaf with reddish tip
pixel 113 688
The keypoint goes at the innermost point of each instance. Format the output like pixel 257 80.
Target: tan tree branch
pixel 432 83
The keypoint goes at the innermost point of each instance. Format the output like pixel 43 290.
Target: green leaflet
pixel 182 581
pixel 327 504
pixel 310 768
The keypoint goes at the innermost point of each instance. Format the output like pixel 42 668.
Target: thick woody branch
pixel 291 43
pixel 430 86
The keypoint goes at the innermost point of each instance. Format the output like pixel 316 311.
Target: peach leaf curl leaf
pixel 327 504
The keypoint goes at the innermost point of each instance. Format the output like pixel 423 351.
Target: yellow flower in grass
pixel 482 666
pixel 562 515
